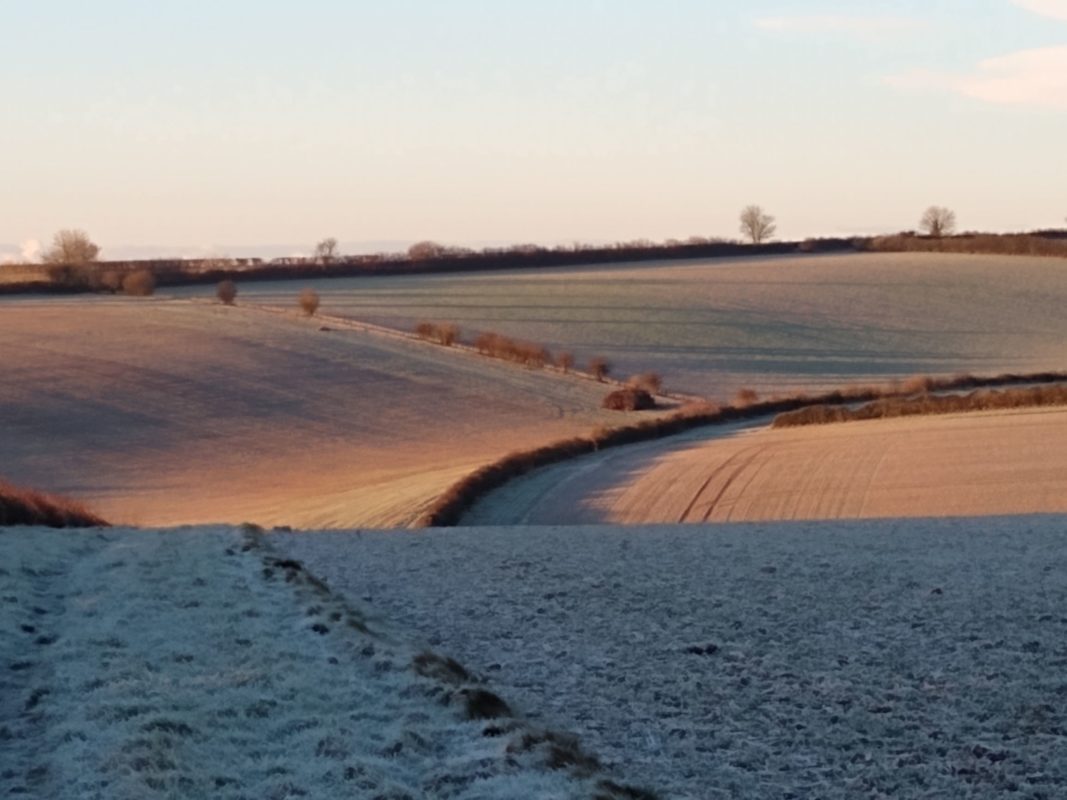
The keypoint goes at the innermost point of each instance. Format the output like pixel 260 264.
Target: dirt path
pixel 974 464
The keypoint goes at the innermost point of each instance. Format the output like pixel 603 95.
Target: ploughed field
pixel 160 412
pixel 778 325
pixel 847 659
pixel 982 463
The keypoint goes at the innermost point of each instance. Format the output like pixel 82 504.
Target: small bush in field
pixel 226 292
pixel 599 367
pixel 488 343
pixel 309 302
pixel 565 361
pixel 746 397
pixel 140 283
pixel 918 384
pixel 447 334
pixel 444 333
pixel 629 399
pixel 651 382
pixel 111 280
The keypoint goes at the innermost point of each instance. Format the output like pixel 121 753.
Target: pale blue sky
pixel 231 124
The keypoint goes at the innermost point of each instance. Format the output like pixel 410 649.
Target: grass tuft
pixel 21 506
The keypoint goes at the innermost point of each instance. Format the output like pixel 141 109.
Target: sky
pixel 243 127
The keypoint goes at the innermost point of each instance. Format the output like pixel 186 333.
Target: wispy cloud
pixel 30 250
pixel 1034 78
pixel 1057 9
pixel 843 24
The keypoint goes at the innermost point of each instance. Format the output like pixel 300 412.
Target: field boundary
pixel 329 322
pixel 79 278
pixel 926 405
pixel 448 509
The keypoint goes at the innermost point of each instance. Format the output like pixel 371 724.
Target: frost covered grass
pixel 905 659
pixel 200 663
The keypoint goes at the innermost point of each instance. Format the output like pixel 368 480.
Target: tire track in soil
pixel 729 482
pixel 704 486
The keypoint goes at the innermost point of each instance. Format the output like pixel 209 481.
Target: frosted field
pixel 778 324
pixel 139 664
pixel 989 463
pixel 904 659
pixel 160 412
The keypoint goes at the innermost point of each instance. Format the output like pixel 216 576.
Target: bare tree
pixel 938 221
pixel 599 367
pixel 421 251
pixel 326 250
pixel 71 247
pixel 756 225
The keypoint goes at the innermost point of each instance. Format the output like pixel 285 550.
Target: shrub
pixel 139 283
pixel 917 384
pixel 226 292
pixel 309 302
pixel 447 334
pixel 599 367
pixel 19 506
pixel 111 280
pixel 746 397
pixel 444 333
pixel 915 405
pixel 488 343
pixel 651 382
pixel 629 399
pixel 565 361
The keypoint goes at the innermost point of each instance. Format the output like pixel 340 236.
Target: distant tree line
pixel 72 263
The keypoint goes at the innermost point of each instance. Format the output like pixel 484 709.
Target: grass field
pixel 1010 462
pixel 775 324
pixel 831 660
pixel 161 412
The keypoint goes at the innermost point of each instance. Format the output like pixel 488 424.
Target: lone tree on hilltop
pixel 71 247
pixel 756 225
pixel 938 221
pixel 326 250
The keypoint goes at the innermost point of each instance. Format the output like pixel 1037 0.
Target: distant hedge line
pixel 980 400
pixel 99 276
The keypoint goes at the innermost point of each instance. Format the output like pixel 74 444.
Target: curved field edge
pixel 201 662
pixel 449 508
pixel 22 506
pixel 925 405
pixel 225 415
